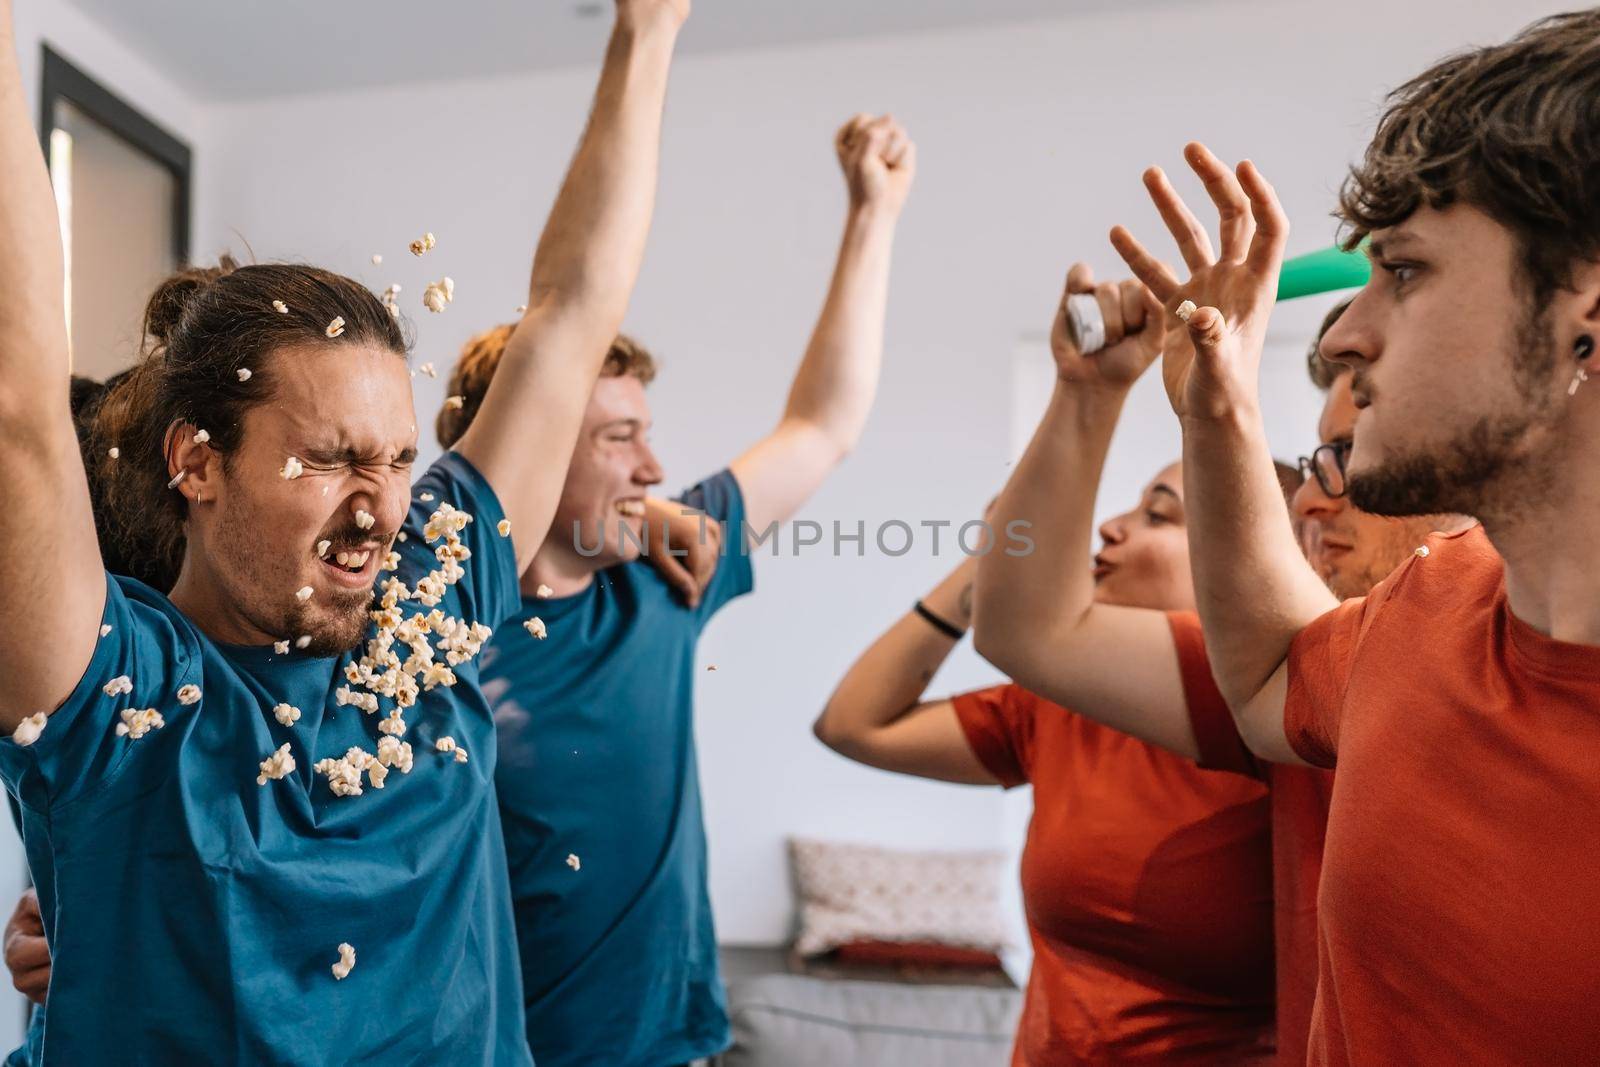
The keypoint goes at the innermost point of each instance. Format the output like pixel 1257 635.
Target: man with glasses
pixel 1351 550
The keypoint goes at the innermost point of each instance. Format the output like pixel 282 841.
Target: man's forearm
pixel 33 342
pixel 1253 587
pixel 834 388
pixel 593 244
pixel 1025 602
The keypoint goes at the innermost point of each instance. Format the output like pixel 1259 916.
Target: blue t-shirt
pixel 194 915
pixel 597 761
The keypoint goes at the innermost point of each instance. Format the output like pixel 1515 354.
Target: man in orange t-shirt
pixel 1455 919
pixel 1040 622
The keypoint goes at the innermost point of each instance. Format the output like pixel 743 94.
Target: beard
pixel 1469 471
pixel 336 624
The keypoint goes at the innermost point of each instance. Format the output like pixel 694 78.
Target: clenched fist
pixel 1135 324
pixel 879 161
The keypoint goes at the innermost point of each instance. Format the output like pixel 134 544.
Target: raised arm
pixel 51 582
pixel 1254 589
pixel 833 390
pixel 583 275
pixel 877 716
pixel 1037 619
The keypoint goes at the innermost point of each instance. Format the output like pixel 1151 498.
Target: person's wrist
pixel 872 211
pixel 657 28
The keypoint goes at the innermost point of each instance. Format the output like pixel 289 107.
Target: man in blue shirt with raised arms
pixel 260 810
pixel 599 791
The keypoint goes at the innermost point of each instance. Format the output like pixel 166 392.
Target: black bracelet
pixel 952 632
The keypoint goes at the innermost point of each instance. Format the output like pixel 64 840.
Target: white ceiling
pixel 247 48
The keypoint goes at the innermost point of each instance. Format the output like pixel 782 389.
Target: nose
pixel 1112 531
pixel 1352 340
pixel 648 471
pixel 387 503
pixel 1309 501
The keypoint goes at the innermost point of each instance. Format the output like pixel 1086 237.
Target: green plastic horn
pixel 1323 271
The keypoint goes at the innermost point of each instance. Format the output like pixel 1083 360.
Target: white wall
pixel 152 91
pixel 1032 139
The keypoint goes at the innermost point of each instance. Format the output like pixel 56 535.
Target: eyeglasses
pixel 1327 464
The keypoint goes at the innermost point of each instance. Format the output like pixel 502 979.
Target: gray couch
pixel 828 1019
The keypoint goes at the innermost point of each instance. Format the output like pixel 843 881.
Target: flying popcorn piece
pixel 286 714
pixel 504 526
pixel 177 479
pixel 461 755
pixel 573 861
pixel 137 722
pixel 535 626
pixel 364 519
pixel 244 374
pixel 711 666
pixel 347 961
pixel 454 402
pixel 426 498
pixel 114 452
pixel 276 766
pixel 429 370
pixel 544 591
pixel 189 694
pixel 117 686
pixel 336 327
pixel 105 629
pixel 202 436
pixel 445 744
pixel 391 562
pixel 522 309
pixel 438 294
pixel 377 259
pixel 1423 551
pixel 281 647
pixel 322 549
pixel 303 641
pixel 1185 309
pixel 29 729
pixel 292 469
pixel 280 307
pixel 303 594
pixel 422 244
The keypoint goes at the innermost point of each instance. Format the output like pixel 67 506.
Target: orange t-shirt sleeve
pixel 1221 747
pixel 998 722
pixel 1320 660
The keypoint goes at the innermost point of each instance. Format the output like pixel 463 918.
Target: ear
pixel 195 460
pixel 1586 283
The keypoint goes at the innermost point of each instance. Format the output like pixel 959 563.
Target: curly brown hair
pixel 1512 129
pixel 481 355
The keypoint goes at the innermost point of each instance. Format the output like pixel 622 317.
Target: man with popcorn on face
pixel 251 840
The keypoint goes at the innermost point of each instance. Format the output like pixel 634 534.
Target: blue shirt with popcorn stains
pixel 194 915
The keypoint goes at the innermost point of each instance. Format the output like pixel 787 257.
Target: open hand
pixel 1211 364
pixel 1135 329
pixel 879 161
